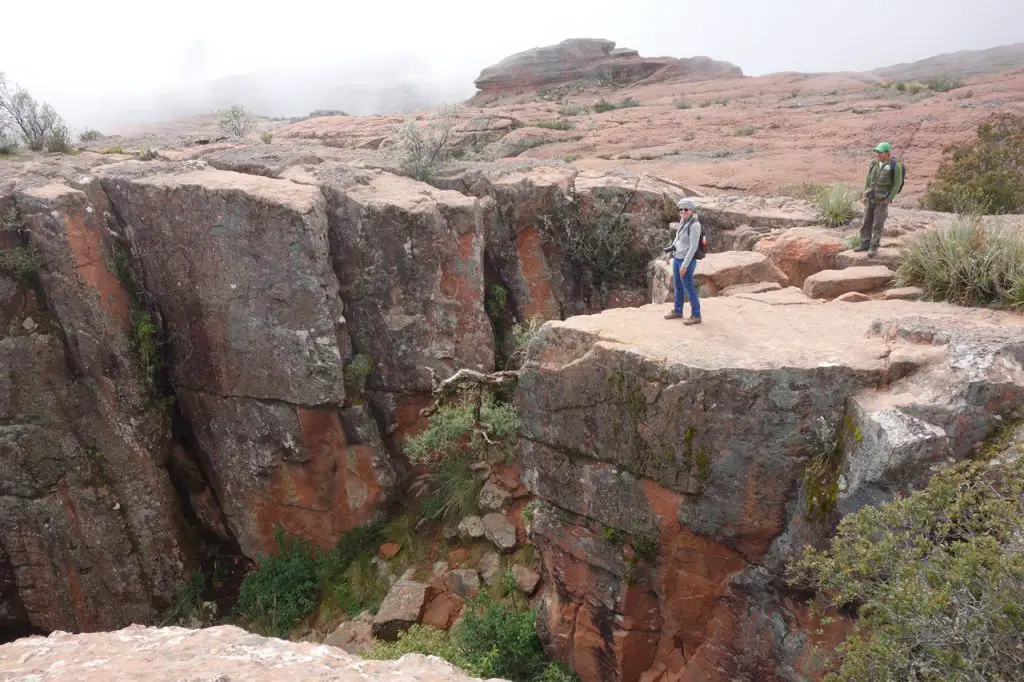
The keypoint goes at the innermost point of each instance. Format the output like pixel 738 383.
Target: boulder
pixel 787 296
pixel 671 475
pixel 216 654
pixel 526 579
pixel 500 531
pixel 471 527
pixel 834 283
pixel 492 496
pixel 721 270
pixel 354 636
pixel 401 609
pixel 465 582
pixel 490 567
pixel 802 251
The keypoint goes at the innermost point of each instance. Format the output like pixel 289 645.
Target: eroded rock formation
pixel 583 59
pixel 671 464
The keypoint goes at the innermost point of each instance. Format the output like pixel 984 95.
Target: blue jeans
pixel 685 283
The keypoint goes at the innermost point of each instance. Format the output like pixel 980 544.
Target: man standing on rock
pixel 684 261
pixel 884 182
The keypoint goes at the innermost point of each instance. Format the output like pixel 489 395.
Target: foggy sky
pixel 114 60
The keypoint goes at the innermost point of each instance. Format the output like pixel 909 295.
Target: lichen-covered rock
pixel 401 609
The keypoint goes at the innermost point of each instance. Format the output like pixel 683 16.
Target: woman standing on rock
pixel 684 252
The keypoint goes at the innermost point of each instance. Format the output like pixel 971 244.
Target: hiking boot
pixel 691 320
pixel 673 315
pixel 861 249
pixel 872 252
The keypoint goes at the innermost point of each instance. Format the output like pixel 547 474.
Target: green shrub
pixel 989 170
pixel 236 121
pixel 571 109
pixel 943 83
pixel 266 137
pixel 682 104
pixel 187 604
pixel 282 591
pixel 427 148
pixel 745 131
pixel 836 204
pixel 116 149
pixel 560 124
pixel 452 429
pixel 355 374
pixel 936 578
pixel 39 124
pixel 21 262
pixel 821 475
pixel 628 102
pixel 968 263
pixel 491 641
pixel 602 105
pixel 89 135
pixel 523 334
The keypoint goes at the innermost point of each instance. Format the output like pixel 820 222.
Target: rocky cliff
pixel 181 345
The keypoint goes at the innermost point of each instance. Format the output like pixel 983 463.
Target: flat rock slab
pixel 756 288
pixel 887 256
pixel 903 293
pixel 739 332
pixel 787 296
pixel 499 530
pixel 835 283
pixel 221 653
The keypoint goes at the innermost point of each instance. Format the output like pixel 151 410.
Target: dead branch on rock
pixel 443 390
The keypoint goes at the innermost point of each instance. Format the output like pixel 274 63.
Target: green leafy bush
pixel 236 121
pixel 836 204
pixel 282 591
pixel 628 102
pixel 89 135
pixel 968 263
pixel 266 137
pixel 602 105
pixel 452 429
pixel 355 374
pixel 427 148
pixel 936 578
pixel 985 174
pixel 559 124
pixel 492 640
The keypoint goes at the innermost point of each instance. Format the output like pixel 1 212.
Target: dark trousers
pixel 875 214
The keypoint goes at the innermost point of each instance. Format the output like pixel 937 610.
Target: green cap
pixel 883 147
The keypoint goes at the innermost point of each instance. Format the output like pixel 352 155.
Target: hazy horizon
pixel 105 63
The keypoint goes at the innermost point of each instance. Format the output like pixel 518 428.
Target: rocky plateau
pixel 175 371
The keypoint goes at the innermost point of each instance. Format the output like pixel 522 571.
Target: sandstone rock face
pixel 584 59
pixel 888 257
pixel 212 247
pixel 220 653
pixel 92 533
pixel 718 271
pixel 395 241
pixel 862 279
pixel 671 473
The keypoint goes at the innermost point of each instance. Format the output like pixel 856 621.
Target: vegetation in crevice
pixel 493 640
pixel 355 374
pixel 936 579
pixel 821 474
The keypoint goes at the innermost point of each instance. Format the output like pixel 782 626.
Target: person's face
pixel 685 213
pixel 883 156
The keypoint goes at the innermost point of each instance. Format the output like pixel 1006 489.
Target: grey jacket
pixel 687 240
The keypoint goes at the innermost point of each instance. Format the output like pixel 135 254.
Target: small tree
pixel 8 139
pixel 983 174
pixel 38 123
pixel 236 121
pixel 426 148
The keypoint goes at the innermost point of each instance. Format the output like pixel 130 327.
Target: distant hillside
pixel 959 64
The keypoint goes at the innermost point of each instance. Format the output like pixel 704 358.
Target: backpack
pixel 702 244
pixel 892 172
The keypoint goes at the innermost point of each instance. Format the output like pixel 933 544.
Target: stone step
pixel 887 256
pixel 834 283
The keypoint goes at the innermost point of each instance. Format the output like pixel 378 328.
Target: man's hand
pixel 887 201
